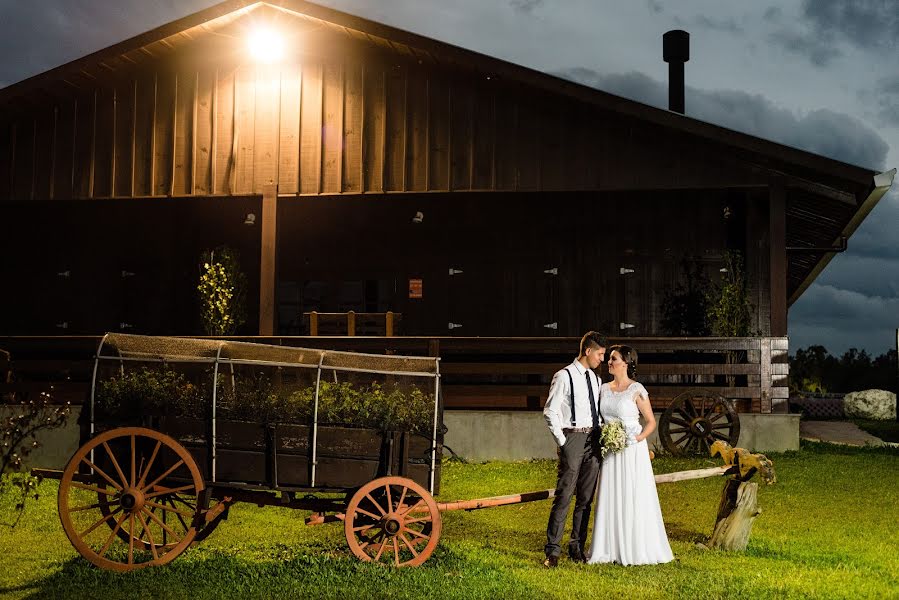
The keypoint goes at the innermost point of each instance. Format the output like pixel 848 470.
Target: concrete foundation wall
pixel 492 435
pixel 478 436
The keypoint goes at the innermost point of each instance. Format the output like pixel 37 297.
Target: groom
pixel 572 413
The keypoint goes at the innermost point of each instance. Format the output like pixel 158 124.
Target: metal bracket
pixel 127 274
pixel 624 270
pixel 624 325
pixel 452 325
pixel 453 271
pixel 553 325
pixel 553 271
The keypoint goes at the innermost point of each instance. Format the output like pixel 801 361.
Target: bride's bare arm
pixel 648 417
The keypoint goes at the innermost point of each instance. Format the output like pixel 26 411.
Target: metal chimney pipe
pixel 675 52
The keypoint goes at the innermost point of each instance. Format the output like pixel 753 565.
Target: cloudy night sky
pixel 820 75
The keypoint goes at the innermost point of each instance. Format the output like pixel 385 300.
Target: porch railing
pixel 477 373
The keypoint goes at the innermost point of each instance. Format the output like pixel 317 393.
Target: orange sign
pixel 415 288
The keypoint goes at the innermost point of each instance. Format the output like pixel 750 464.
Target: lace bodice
pixel 621 406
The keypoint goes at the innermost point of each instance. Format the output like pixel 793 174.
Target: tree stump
pixel 736 512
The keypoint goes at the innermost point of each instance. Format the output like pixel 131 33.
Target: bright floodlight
pixel 266 45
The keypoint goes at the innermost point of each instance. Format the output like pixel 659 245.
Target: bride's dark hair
pixel 629 356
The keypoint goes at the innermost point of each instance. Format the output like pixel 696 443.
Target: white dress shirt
pixel 557 411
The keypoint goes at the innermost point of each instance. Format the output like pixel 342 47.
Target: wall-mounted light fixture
pixel 249 219
pixel 266 45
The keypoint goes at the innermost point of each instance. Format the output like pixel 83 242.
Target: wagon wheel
pixel 392 520
pixel 173 500
pixel 136 472
pixel 696 419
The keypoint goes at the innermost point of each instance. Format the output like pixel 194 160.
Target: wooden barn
pixel 413 187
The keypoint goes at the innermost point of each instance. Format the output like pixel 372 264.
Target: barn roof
pixel 826 199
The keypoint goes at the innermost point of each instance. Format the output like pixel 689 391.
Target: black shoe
pixel 577 556
pixel 551 562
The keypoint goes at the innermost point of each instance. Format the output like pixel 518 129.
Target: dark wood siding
pixel 330 127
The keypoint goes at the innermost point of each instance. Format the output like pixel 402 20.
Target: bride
pixel 628 527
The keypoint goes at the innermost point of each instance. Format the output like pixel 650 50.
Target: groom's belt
pixel 567 430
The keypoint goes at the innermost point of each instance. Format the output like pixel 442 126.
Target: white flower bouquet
pixel 613 437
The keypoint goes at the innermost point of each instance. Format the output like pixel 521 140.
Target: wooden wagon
pixel 179 429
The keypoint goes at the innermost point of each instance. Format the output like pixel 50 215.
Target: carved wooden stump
pixel 736 512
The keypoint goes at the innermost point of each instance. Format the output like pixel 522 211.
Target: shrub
pixel 19 440
pixel 222 291
pixel 150 391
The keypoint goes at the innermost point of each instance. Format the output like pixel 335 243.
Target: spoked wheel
pixel 176 503
pixel 696 419
pixel 133 481
pixel 393 521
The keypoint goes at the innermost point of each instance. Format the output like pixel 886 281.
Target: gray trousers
pixel 579 466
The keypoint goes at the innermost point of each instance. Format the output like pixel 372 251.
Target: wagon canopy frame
pixel 125 348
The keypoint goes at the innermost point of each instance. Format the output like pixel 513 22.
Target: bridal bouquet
pixel 612 437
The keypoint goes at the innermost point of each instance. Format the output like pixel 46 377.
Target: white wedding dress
pixel 627 526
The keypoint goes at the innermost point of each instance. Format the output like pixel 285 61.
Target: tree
pixel 222 291
pixel 730 312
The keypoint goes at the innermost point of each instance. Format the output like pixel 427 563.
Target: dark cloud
pixel 843 319
pixel 526 6
pixel 867 24
pixel 820 50
pixel 725 25
pixel 655 6
pixel 870 25
pixel 67 33
pixel 773 14
pixel 883 97
pixel 825 132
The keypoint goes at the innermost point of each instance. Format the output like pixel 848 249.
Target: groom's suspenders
pixel 571 388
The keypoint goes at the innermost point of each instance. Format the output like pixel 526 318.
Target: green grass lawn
pixel 828 529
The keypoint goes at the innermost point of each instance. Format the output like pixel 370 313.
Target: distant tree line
pixel 815 370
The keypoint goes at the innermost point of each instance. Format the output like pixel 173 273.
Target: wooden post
pixel 736 512
pixel 267 259
pixel 351 323
pixel 777 227
pixel 388 324
pixel 313 323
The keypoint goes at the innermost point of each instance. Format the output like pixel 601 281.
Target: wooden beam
pixel 133 136
pixel 213 147
pixel 174 137
pixel 267 259
pixel 74 146
pixel 153 136
pixel 53 152
pixel 777 227
pixel 33 155
pixel 112 149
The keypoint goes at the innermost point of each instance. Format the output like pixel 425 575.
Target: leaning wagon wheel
pixel 394 521
pixel 696 419
pixel 126 478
